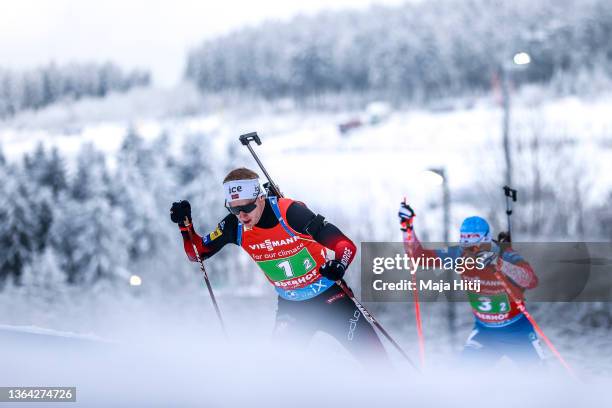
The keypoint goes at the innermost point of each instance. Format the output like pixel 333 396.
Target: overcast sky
pixel 153 34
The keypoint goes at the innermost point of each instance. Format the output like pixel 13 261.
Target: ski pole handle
pixel 409 208
pixel 510 192
pixel 245 139
pixel 250 137
pixel 511 196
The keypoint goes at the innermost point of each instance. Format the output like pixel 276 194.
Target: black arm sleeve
pixel 210 244
pixel 226 233
pixel 298 217
pixel 325 233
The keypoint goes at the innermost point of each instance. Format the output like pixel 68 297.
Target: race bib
pixel 287 268
pixel 493 304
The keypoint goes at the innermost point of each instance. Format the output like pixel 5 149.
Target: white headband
pixel 241 189
pixel 470 238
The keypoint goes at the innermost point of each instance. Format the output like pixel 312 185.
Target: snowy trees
pixel 16 226
pixel 89 233
pixel 415 51
pixel 50 222
pixel 101 223
pixel 42 216
pixel 25 220
pixel 40 87
pixel 136 188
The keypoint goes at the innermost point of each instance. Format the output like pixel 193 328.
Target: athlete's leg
pixel 293 328
pixel 479 349
pixel 518 341
pixel 521 344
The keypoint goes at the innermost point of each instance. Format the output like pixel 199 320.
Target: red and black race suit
pixel 331 311
pixel 298 218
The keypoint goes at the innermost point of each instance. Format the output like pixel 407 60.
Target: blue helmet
pixel 474 230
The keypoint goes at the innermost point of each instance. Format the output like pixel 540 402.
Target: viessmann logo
pixel 271 244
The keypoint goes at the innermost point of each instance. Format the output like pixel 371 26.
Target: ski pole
pixel 521 306
pixel 245 139
pixel 370 318
pixel 208 285
pixel 419 322
pixel 511 197
pixel 417 306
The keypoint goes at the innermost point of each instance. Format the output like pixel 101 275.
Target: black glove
pixel 332 270
pixel 406 216
pixel 489 257
pixel 179 211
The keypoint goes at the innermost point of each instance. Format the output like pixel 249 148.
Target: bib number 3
pixel 490 304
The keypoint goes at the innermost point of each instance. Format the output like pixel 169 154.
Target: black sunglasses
pixel 247 208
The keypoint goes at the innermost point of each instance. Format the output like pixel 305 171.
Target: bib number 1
pixel 286 267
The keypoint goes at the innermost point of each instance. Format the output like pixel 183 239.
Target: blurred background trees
pixel 36 88
pixel 419 51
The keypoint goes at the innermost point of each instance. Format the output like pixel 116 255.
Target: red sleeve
pixel 188 244
pixel 413 246
pixel 521 273
pixel 345 251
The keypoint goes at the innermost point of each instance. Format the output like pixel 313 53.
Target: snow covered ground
pixel 170 352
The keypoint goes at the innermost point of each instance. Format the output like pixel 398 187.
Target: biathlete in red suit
pixel 289 242
pixel 500 328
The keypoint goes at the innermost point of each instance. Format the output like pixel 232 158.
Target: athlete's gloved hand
pixel 406 216
pixel 332 270
pixel 489 257
pixel 180 210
